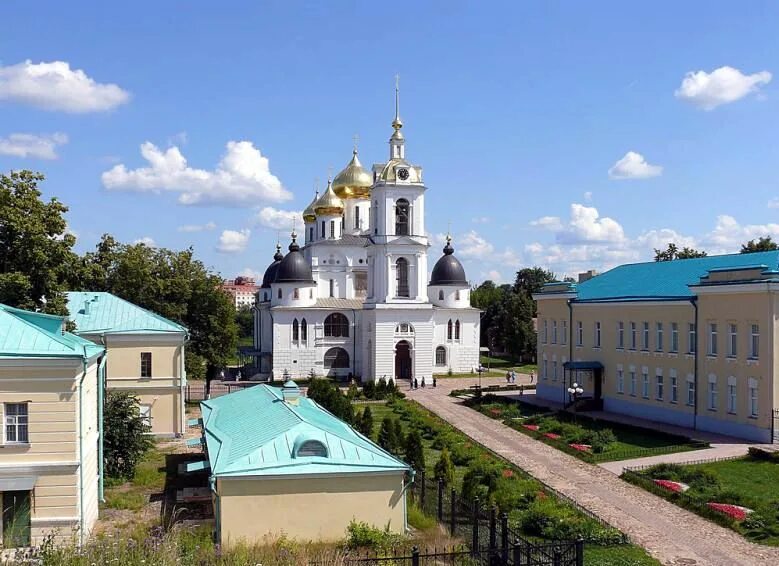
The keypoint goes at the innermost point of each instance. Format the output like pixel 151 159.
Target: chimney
pixel 86 307
pixel 290 392
pixel 587 275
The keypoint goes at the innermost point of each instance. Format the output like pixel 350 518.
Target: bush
pixel 481 480
pixel 361 535
pixel 369 389
pixel 415 454
pixel 418 519
pixel 381 388
pixel 463 453
pixel 760 454
pixel 388 435
pixel 365 422
pixel 444 469
pixel 328 395
pixel 512 493
pixel 602 440
pixel 125 434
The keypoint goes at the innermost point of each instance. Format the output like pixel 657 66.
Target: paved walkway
pixel 669 533
pixel 716 452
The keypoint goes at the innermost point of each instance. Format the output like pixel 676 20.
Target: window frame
pixel 402 221
pixel 440 352
pixel 148 363
pixel 659 337
pixel 732 340
pixel 336 325
pixel 712 347
pixel 597 334
pixel 402 283
pixel 579 333
pixel 14 421
pixel 675 337
pixel 754 342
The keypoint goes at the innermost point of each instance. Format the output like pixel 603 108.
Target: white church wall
pixel 453 297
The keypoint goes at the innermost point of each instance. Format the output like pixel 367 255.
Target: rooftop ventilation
pixel 312 448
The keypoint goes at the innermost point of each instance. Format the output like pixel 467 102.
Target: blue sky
pixel 564 134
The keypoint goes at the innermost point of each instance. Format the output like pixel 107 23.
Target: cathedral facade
pixel 356 299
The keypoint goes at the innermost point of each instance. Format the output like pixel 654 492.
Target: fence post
pixel 504 537
pixel 415 556
pixel 475 541
pixel 493 528
pixel 517 554
pixel 422 494
pixel 557 558
pixel 453 519
pixel 580 551
pixel 440 500
pixel 528 553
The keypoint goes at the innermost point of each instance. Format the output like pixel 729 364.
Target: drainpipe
pixel 354 343
pixel 570 343
pixel 183 385
pixel 694 302
pixel 100 445
pixel 81 448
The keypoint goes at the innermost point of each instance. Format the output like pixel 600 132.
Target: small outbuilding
pixel 281 464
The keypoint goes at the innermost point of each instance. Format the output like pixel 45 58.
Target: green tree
pixel 125 434
pixel 444 468
pixel 673 252
pixel 763 244
pixel 36 257
pixel 530 280
pixel 244 318
pixel 388 435
pixel 414 451
pixel 327 394
pixel 365 422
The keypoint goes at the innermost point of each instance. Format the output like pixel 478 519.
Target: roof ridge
pixel 37 328
pixel 133 305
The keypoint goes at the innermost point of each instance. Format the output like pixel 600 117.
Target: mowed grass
pixel 754 479
pixel 504 363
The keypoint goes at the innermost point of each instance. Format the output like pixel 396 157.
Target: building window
pixel 449 327
pixel 633 381
pixel 457 295
pixel 659 337
pixel 440 356
pixel 633 337
pixel 579 333
pixel 620 381
pixel 732 340
pixel 323 229
pixel 545 375
pixel 401 277
pixel 621 335
pixel 690 391
pixel 457 330
pixel 712 339
pixel 332 229
pixel 303 331
pixel 659 385
pixel 691 338
pixel 295 331
pixel 145 364
pixel 712 392
pixel 645 383
pixel 674 387
pixel 441 295
pixel 753 397
pixel 404 329
pixel 597 334
pixel 336 325
pixel 16 423
pixel 402 210
pixel 336 358
pixel 545 335
pixel 312 448
pixel 145 413
pixel 564 337
pixel 754 342
pixel 279 295
pixel 554 370
pixel 357 217
pixel 732 395
pixel 674 337
pixel 645 337
pixel 554 332
pixel 332 287
pixel 296 294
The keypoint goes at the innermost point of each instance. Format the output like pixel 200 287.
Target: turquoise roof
pixel 25 334
pixel 253 432
pixel 110 314
pixel 668 279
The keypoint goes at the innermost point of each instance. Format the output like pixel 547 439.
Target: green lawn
pixel 756 480
pixel 134 494
pixel 505 363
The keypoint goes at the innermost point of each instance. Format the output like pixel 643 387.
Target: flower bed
pixel 581 447
pixel 738 512
pixel 552 435
pixel 675 486
pixel 531 426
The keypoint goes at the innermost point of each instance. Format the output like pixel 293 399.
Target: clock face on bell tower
pixel 403 174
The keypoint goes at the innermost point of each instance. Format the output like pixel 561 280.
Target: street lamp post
pixel 575 391
pixel 480 371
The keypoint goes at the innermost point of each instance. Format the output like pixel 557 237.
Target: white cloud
pixel 634 166
pixel 773 203
pixel 233 241
pixel 587 226
pixel 249 272
pixel 179 138
pixel 728 235
pixel 552 223
pixel 55 86
pixel 146 241
pixel 480 219
pixel 42 146
pixel 721 86
pixel 472 245
pixel 242 177
pixel 493 275
pixel 588 196
pixel 208 226
pixel 278 219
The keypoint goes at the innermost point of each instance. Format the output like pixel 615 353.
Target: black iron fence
pixel 513 555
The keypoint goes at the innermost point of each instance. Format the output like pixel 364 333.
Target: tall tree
pixel 530 280
pixel 763 244
pixel 36 257
pixel 673 252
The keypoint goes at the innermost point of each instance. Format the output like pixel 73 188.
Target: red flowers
pixel 495 412
pixel 581 447
pixel 552 435
pixel 531 426
pixel 738 512
pixel 675 486
pixel 508 473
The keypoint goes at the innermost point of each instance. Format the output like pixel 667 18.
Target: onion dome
pixel 353 181
pixel 270 272
pixel 309 214
pixel 294 268
pixel 329 203
pixel 448 270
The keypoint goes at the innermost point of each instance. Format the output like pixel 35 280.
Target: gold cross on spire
pixel 355 139
pixel 397 123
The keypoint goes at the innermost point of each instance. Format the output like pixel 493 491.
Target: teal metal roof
pixel 108 313
pixel 663 280
pixel 25 334
pixel 253 432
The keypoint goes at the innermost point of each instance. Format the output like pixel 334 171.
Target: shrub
pixel 415 454
pixel 362 535
pixel 381 388
pixel 387 438
pixel 481 480
pixel 760 454
pixel 673 472
pixel 353 392
pixel 365 422
pixel 463 453
pixel 369 389
pixel 329 396
pixel 418 519
pixel 512 493
pixel 602 440
pixel 125 434
pixel 444 469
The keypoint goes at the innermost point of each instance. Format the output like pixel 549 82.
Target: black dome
pixel 448 270
pixel 294 268
pixel 270 272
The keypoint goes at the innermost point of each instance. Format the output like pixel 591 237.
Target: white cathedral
pixel 356 298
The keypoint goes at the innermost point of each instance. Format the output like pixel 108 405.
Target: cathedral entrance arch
pixel 403 360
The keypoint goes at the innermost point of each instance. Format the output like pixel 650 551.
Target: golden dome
pixel 353 181
pixel 329 203
pixel 309 214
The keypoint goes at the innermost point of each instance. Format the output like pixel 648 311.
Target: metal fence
pixel 195 392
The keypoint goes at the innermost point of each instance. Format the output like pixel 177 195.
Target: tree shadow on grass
pixel 172 511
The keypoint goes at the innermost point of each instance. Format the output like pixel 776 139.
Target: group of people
pixel 415 383
pixel 511 376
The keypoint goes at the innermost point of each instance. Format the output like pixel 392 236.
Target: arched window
pixel 279 293
pixel 303 331
pixel 402 217
pixel 401 277
pixel 457 295
pixel 311 234
pixel 295 331
pixel 404 329
pixel 336 358
pixel 441 295
pixel 440 356
pixel 449 330
pixel 332 287
pixel 457 330
pixel 336 325
pixel 357 217
pixel 312 448
pixel 296 294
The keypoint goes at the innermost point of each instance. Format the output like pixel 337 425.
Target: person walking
pixel 434 382
pixel 532 377
pixel 513 376
pixel 508 377
pixel 423 382
pixel 416 383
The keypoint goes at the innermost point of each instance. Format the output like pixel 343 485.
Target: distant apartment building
pixel 243 290
pixel 49 445
pixel 146 353
pixel 687 342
